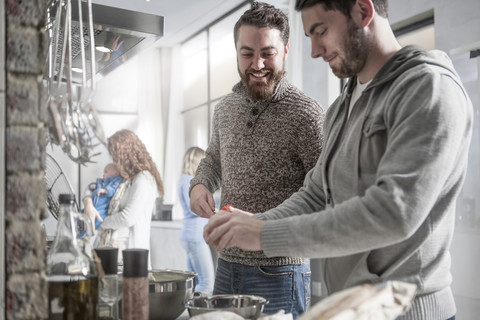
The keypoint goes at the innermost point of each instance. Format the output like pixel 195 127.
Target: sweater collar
pixel 280 91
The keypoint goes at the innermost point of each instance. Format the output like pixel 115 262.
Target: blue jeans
pixel 199 260
pixel 285 287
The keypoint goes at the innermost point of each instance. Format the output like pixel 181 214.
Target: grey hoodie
pixel 380 203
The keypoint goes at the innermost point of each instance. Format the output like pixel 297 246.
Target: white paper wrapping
pixel 385 301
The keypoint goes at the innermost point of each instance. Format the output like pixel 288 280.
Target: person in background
pixel 199 257
pixel 130 213
pixel 380 203
pixel 266 136
pixel 103 189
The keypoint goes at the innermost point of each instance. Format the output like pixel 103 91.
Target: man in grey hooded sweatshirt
pixel 380 203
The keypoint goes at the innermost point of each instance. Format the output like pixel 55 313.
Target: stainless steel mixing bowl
pixel 247 306
pixel 168 290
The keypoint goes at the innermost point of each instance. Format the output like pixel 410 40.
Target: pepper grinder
pixel 135 284
pixel 109 295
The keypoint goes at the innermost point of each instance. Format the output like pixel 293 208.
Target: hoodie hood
pixel 405 59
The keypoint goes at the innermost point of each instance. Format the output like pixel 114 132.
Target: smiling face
pixel 261 57
pixel 337 39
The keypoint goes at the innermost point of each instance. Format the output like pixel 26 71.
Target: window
pixel 419 30
pixel 209 73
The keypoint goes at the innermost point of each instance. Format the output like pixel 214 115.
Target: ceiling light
pixel 103 49
pixel 75 69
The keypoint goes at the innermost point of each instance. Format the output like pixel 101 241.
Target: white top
pixel 357 92
pixel 133 219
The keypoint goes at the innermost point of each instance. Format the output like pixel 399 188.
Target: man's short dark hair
pixel 262 15
pixel 344 6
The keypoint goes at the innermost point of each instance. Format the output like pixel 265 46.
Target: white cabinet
pixel 166 249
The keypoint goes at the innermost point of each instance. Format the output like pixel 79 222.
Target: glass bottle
pixel 71 271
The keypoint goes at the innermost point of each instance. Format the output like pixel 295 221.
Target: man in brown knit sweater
pixel 266 136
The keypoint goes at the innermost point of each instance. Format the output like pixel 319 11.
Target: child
pixel 103 190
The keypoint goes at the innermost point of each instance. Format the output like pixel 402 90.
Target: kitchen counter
pixel 165 245
pixel 171 224
pixel 159 245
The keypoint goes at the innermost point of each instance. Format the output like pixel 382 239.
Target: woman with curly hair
pixel 128 222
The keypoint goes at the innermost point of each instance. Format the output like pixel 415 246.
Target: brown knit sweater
pixel 259 154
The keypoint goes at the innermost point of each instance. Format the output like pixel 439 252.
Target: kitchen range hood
pixel 119 34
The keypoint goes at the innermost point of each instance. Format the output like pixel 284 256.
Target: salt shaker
pixel 135 284
pixel 109 294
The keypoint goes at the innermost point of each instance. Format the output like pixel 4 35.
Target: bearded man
pixel 266 136
pixel 379 205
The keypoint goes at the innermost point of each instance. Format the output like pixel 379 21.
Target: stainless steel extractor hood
pixel 119 34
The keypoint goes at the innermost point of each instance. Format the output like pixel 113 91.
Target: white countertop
pixel 165 245
pixel 173 224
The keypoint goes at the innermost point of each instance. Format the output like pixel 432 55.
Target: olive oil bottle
pixel 72 299
pixel 71 272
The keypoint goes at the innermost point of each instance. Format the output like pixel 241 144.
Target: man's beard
pixel 259 90
pixel 356 48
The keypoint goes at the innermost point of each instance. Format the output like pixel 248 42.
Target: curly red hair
pixel 132 157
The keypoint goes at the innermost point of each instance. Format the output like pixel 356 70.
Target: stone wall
pixel 26 286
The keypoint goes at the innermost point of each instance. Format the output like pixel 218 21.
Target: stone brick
pixel 26 197
pixel 25 148
pixel 43 115
pixel 43 212
pixel 26 296
pixel 23 56
pixel 25 247
pixel 26 12
pixel 2 50
pixel 23 99
pixel 25 51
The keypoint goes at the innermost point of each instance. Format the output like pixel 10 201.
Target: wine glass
pixel 109 294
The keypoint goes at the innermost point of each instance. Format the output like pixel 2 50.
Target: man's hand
pixel 102 191
pixel 201 201
pixel 236 229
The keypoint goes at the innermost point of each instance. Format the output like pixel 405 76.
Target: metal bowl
pixel 168 289
pixel 247 306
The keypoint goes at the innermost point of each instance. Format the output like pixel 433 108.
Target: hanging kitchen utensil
pixel 73 122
